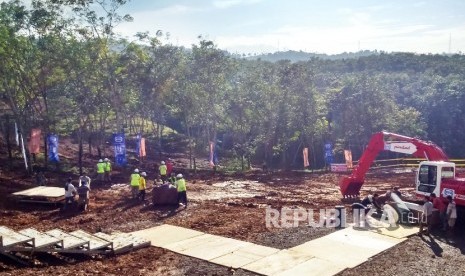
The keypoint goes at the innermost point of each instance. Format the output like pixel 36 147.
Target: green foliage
pixel 73 74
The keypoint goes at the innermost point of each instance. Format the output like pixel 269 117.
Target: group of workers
pixel 138 183
pixel 83 192
pixel 447 211
pixel 104 170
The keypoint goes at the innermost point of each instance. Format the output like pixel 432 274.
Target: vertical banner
pixel 53 148
pixel 34 141
pixel 23 150
pixel 348 157
pixel 119 144
pixel 16 134
pixel 138 137
pixel 142 148
pixel 305 154
pixel 328 153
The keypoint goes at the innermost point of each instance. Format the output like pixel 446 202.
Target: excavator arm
pixel 351 185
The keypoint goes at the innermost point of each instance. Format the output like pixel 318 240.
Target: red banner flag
pixel 306 162
pixel 142 147
pixel 34 141
pixel 348 157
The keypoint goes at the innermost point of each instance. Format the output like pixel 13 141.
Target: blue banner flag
pixel 120 149
pixel 53 148
pixel 328 153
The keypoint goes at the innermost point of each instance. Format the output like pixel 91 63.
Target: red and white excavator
pixel 436 175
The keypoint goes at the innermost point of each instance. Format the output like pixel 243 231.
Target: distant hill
pixel 295 56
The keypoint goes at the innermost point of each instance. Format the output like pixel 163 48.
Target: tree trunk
pixel 81 150
pixel 8 143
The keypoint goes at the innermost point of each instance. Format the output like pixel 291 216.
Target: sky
pixel 324 26
pixel 316 26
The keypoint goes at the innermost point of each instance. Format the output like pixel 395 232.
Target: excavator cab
pixel 430 174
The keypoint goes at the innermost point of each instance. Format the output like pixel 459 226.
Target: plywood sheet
pixel 206 247
pixel 278 262
pixel 245 255
pixel 365 239
pixel 399 232
pixel 341 254
pixel 313 267
pixel 42 191
pixel 166 234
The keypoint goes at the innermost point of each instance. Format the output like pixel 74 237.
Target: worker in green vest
pixel 100 170
pixel 107 170
pixel 163 170
pixel 181 187
pixel 172 179
pixel 135 180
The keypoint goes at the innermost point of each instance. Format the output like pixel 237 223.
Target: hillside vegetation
pixel 75 76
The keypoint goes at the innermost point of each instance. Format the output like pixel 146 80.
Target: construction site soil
pixel 229 205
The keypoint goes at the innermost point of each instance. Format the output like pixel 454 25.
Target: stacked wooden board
pixel 57 241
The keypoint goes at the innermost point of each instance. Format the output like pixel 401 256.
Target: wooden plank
pixel 11 238
pixel 95 243
pixel 69 241
pixel 41 239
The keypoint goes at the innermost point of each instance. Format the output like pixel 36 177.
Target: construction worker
pixel 83 192
pixel 100 170
pixel 142 186
pixel 441 206
pixel 169 166
pixel 135 182
pixel 107 169
pixel 426 216
pixel 84 178
pixel 451 213
pixel 181 187
pixel 365 205
pixel 172 179
pixel 163 170
pixel 70 192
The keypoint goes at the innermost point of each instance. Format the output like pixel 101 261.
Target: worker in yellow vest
pixel 135 182
pixel 163 170
pixel 100 170
pixel 107 170
pixel 142 186
pixel 181 187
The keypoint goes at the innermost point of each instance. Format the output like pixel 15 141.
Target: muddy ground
pixel 230 205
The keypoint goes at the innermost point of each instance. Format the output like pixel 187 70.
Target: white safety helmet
pixel 106 159
pixel 179 175
pixel 100 160
pixel 143 174
pixel 163 162
pixel 136 170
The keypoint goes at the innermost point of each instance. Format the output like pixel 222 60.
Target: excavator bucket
pixel 350 186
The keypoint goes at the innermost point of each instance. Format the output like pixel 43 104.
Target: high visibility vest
pixel 163 169
pixel 101 167
pixel 181 185
pixel 142 183
pixel 107 166
pixel 135 178
pixel 172 180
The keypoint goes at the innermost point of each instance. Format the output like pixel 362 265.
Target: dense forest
pixel 64 70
